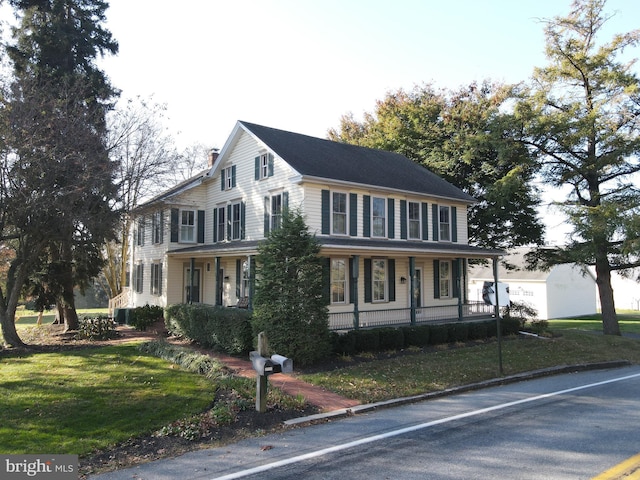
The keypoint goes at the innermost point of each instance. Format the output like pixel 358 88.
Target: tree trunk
pixel 9 332
pixel 610 324
pixel 68 297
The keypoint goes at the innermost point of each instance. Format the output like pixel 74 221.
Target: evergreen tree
pixel 581 117
pixel 55 129
pixel 289 303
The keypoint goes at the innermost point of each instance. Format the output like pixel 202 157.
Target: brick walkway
pixel 324 400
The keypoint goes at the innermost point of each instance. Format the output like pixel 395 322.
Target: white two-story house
pixel 392 233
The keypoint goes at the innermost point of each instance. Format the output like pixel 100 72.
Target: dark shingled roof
pixel 316 157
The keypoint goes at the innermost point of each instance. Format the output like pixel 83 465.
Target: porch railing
pixel 397 317
pixel 119 301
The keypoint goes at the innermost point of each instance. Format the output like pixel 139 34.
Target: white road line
pixel 402 431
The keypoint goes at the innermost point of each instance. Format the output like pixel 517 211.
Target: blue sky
pixel 300 65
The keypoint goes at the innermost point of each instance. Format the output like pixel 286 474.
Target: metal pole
pixel 497 310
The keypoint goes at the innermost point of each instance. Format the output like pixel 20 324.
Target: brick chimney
pixel 213 155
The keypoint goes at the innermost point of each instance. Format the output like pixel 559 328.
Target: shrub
pixel 458 332
pixel 367 340
pixel 225 329
pixel 510 326
pixel 97 328
pixel 478 330
pixel 417 336
pixel 185 358
pixel 345 344
pixel 391 339
pixel 438 334
pixel 143 317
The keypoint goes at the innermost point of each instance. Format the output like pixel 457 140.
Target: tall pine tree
pixel 58 103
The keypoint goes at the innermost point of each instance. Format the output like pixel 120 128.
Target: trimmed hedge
pixel 220 328
pixel 388 338
pixel 143 317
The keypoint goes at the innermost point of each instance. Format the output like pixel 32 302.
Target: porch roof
pixel 354 246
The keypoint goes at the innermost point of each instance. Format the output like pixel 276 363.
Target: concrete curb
pixel 346 412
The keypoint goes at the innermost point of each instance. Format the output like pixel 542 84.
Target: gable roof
pixel 318 158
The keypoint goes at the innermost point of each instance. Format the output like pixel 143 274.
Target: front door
pixel 192 291
pixel 417 287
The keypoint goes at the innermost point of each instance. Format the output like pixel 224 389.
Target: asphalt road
pixel 572 426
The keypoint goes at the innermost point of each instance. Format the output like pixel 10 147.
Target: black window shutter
pixel 270 165
pixel 353 214
pixel 222 179
pixel 391 267
pixel 175 217
pixel 233 176
pixel 391 230
pixel 200 226
pixel 326 214
pixel 161 226
pixel 436 279
pixel 352 283
pixel 367 280
pixel 425 221
pixel 266 216
pixel 326 279
pixel 257 168
pixel 403 219
pixel 285 201
pixel 455 265
pixel 229 222
pixel 435 218
pixel 238 276
pixel 454 224
pixel 242 220
pixel 215 225
pixel 366 216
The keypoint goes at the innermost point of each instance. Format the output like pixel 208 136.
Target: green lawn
pixel 81 400
pixel 445 368
pixel 629 322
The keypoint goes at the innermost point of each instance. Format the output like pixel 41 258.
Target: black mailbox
pixel 264 366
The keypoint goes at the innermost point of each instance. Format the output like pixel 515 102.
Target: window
pixel 157 227
pixel 221 224
pixel 228 178
pixel 276 211
pixel 339 213
pixel 338 280
pixel 188 226
pixel 378 217
pixel 235 221
pixel 445 223
pixel 445 279
pixel 246 275
pixel 379 279
pixel 138 277
pixel 140 232
pixel 156 279
pixel 413 215
pixel 264 165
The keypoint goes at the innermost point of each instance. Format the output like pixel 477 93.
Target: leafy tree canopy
pixel 466 137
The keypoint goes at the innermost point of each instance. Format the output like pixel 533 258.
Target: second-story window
pixel 378 217
pixel 339 213
pixel 445 223
pixel 413 215
pixel 276 211
pixel 235 221
pixel 157 227
pixel 221 224
pixel 188 226
pixel 140 231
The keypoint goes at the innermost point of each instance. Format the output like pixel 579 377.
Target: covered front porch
pixel 397 317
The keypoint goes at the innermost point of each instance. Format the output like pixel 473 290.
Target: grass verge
pixel 446 367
